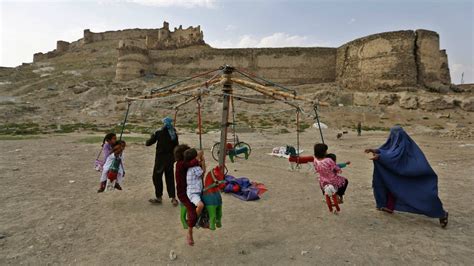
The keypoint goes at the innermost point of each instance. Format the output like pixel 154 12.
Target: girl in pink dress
pixel 328 171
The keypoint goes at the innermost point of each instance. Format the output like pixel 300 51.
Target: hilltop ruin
pixel 380 61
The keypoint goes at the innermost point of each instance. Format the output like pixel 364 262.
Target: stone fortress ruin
pixel 382 61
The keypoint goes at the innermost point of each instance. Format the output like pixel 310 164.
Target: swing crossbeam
pixel 226 80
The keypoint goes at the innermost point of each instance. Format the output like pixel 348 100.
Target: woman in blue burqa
pixel 403 179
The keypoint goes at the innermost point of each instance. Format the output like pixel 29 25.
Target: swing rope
pixel 319 124
pixel 199 121
pixel 233 119
pixel 175 116
pixel 297 131
pixel 252 76
pixel 125 120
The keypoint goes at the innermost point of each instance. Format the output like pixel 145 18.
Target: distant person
pixel 166 140
pixel 359 129
pixel 403 180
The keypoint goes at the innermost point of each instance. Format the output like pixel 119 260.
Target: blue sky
pixel 27 27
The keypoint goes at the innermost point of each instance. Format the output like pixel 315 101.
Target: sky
pixel 28 27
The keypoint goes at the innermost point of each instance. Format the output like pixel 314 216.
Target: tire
pixel 215 151
pixel 242 144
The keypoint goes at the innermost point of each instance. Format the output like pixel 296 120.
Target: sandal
pixel 444 221
pixel 155 201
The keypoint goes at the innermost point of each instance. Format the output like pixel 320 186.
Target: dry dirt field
pixel 45 218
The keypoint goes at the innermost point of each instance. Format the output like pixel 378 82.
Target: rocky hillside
pixel 77 91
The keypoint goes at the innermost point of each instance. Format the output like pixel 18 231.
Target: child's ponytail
pixel 107 137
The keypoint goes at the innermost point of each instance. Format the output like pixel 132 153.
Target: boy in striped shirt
pixel 194 180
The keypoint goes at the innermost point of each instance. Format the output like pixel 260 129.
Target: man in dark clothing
pixel 166 140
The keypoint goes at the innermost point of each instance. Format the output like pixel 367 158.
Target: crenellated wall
pixel 383 61
pixel 90 37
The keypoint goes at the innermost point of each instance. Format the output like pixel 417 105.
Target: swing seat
pixel 234 152
pixel 301 159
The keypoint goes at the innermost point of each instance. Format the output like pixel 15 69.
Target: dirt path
pixel 47 219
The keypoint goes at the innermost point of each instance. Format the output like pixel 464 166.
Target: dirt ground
pixel 50 212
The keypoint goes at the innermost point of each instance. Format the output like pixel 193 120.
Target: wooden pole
pixel 185 102
pixel 227 91
pixel 273 93
pixel 216 81
pixel 267 90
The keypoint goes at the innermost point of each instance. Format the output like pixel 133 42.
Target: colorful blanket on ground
pixel 281 152
pixel 243 189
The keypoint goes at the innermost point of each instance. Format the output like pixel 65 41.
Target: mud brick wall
pixel 379 61
pixel 287 65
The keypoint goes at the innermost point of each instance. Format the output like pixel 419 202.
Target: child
pixel 194 181
pixel 181 188
pixel 328 171
pixel 106 149
pixel 340 165
pixel 107 144
pixel 109 163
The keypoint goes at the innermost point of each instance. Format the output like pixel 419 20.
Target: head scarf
pixel 168 124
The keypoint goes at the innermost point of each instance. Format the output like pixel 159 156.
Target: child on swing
pixel 333 157
pixel 106 150
pixel 194 179
pixel 117 153
pixel 181 187
pixel 329 177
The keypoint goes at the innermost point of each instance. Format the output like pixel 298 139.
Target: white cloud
pixel 247 41
pixel 278 39
pixel 230 27
pixel 176 3
pixel 457 70
pixel 351 21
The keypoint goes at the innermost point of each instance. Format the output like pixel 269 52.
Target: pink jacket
pixel 328 170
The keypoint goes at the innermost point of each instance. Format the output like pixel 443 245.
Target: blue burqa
pixel 403 179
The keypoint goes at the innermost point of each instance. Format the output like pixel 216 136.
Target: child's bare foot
pixel 190 240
